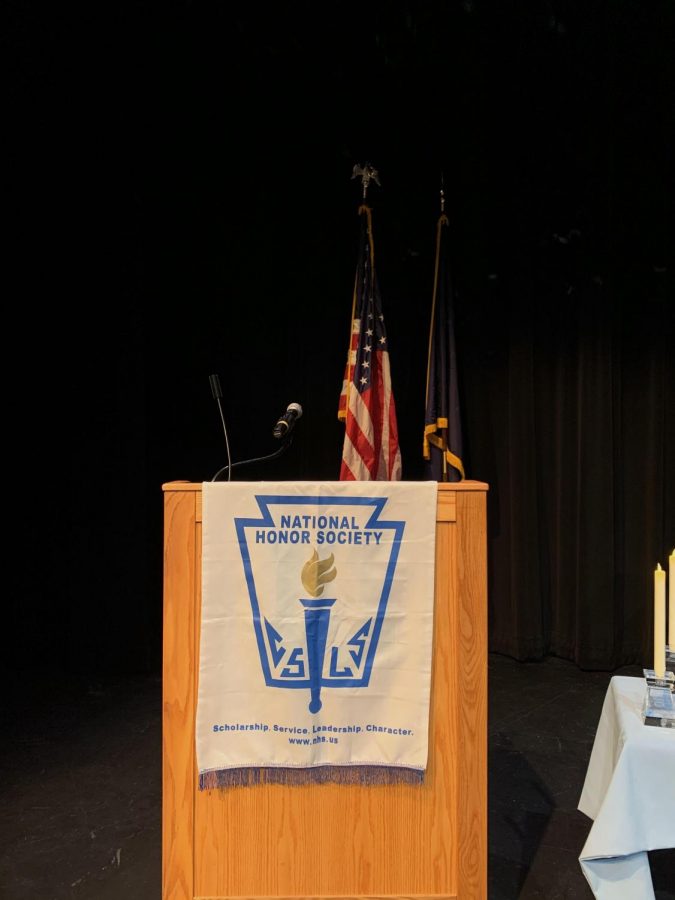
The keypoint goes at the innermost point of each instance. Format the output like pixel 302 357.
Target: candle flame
pixel 316 574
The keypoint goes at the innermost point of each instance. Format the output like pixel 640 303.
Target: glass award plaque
pixel 658 707
pixel 670 659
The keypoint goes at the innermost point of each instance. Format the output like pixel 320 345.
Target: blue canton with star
pixel 372 335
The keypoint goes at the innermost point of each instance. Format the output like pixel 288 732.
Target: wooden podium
pixel 329 840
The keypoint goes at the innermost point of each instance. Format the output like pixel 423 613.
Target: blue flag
pixel 442 423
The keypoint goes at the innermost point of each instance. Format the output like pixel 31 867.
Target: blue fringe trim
pixel 365 775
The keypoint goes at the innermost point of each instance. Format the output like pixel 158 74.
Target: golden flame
pixel 315 574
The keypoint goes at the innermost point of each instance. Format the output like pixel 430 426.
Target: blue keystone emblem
pixel 291 553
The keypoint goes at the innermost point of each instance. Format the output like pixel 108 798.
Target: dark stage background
pixel 180 203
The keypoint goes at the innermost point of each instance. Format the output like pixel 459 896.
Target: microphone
pixel 286 422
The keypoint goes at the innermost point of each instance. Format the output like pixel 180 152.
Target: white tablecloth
pixel 630 793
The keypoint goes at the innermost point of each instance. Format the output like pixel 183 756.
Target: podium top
pixel 196 486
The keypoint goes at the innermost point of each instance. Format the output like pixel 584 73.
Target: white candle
pixel 659 622
pixel 671 602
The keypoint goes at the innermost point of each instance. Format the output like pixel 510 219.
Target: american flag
pixel 370 451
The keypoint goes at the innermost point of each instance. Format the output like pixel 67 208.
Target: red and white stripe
pixel 371 450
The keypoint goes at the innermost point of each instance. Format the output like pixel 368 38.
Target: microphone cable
pixel 245 462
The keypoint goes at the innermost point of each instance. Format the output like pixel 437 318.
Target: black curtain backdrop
pixel 574 433
pixel 179 203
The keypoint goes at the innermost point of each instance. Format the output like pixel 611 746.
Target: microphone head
pixel 286 422
pixel 216 389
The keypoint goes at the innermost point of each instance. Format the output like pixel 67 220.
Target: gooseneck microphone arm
pixel 217 392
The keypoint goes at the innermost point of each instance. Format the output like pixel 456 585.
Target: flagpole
pixel 367 174
pixel 442 423
pixel 444 431
pixel 370 451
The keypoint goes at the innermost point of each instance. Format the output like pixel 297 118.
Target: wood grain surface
pixel 329 840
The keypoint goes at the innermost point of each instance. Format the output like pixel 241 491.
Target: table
pixel 629 792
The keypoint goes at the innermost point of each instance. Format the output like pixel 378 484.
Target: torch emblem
pixel 315 574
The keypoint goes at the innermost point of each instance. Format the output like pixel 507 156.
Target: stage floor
pixel 81 785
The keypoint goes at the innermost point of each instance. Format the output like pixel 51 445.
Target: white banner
pixel 316 633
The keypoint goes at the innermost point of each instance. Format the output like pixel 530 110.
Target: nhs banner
pixel 316 631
